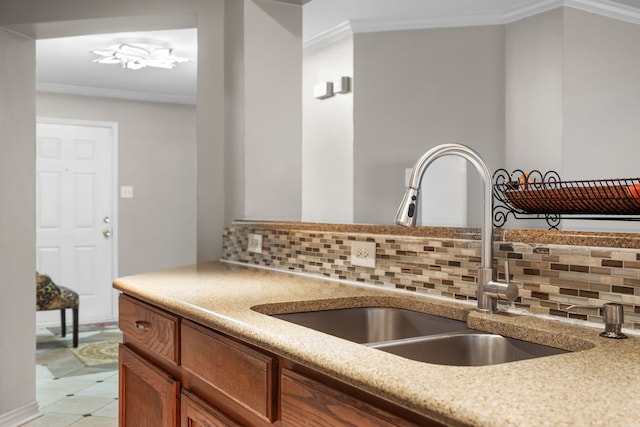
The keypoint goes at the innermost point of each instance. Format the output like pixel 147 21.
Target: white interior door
pixel 75 214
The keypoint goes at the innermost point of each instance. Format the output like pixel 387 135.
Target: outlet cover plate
pixel 255 243
pixel 363 254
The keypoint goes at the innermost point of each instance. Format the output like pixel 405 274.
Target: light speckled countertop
pixel 593 387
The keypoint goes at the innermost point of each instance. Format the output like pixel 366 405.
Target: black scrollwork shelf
pixel 535 195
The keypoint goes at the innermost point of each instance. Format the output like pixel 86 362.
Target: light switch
pixel 126 192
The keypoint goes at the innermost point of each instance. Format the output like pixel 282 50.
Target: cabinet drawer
pixel 241 377
pixel 150 329
pixel 305 401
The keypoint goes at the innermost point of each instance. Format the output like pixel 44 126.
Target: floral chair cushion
pixel 50 296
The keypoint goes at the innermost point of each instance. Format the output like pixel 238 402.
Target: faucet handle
pixel 506 271
pixel 494 290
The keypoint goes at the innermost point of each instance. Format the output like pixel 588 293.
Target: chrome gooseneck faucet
pixel 489 290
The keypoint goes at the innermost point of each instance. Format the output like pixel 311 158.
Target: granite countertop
pixel 597 384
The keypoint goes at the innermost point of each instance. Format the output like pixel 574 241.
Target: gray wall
pixel 417 89
pixel 573 95
pixel 157 156
pixel 276 23
pixel 534 102
pixel 327 152
pixel 210 119
pixel 263 64
pixel 573 98
pixel 601 97
pixel 17 228
pixel 555 91
pixel 234 106
pixel 272 110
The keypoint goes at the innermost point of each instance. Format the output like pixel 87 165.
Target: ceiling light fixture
pixel 135 56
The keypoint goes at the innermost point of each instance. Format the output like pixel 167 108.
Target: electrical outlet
pixel 255 243
pixel 363 254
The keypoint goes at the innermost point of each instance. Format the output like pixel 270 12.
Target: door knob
pixel 106 234
pixel 106 220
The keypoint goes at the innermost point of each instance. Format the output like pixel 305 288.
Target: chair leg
pixel 75 327
pixel 63 323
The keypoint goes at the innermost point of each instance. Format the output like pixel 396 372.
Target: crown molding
pixel 345 29
pixel 327 37
pixel 607 8
pixel 531 9
pixel 294 2
pixel 115 93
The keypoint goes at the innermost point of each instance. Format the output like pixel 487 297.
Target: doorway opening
pixel 76 213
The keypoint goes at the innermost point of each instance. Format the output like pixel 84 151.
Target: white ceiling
pixel 66 64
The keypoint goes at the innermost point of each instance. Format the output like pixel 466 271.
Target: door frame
pixel 113 126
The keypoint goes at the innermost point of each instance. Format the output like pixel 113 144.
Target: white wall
pixel 234 107
pixel 263 130
pixel 601 97
pixel 417 89
pixel 601 104
pixel 573 98
pixel 17 228
pixel 272 110
pixel 534 85
pixel 157 156
pixel 327 152
pixel 210 128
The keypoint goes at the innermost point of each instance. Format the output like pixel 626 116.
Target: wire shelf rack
pixel 545 196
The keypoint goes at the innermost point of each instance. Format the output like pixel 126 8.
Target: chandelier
pixel 134 56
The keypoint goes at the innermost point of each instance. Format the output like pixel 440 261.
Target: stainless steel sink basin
pixel 467 349
pixel 374 324
pixel 419 336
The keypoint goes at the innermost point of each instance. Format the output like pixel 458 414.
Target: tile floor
pixel 69 393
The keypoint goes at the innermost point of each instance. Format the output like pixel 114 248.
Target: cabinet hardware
pixel 141 324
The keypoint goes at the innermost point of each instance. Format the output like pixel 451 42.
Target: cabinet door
pixel 235 377
pixel 195 412
pixel 307 402
pixel 148 395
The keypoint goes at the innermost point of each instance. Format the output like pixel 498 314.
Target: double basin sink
pixel 419 336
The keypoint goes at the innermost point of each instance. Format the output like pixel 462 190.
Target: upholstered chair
pixel 50 296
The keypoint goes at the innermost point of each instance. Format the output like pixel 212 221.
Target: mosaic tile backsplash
pixel 551 277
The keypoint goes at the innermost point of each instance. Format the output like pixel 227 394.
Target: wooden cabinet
pixel 176 372
pixel 149 366
pixel 149 330
pixel 236 376
pixel 309 402
pixel 195 412
pixel 148 395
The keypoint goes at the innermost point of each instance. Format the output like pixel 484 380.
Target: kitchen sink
pixel 467 349
pixel 374 324
pixel 419 336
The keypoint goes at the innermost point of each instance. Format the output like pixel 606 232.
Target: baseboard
pixel 19 416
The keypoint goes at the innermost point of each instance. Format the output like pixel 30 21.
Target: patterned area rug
pixel 97 353
pixel 90 357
